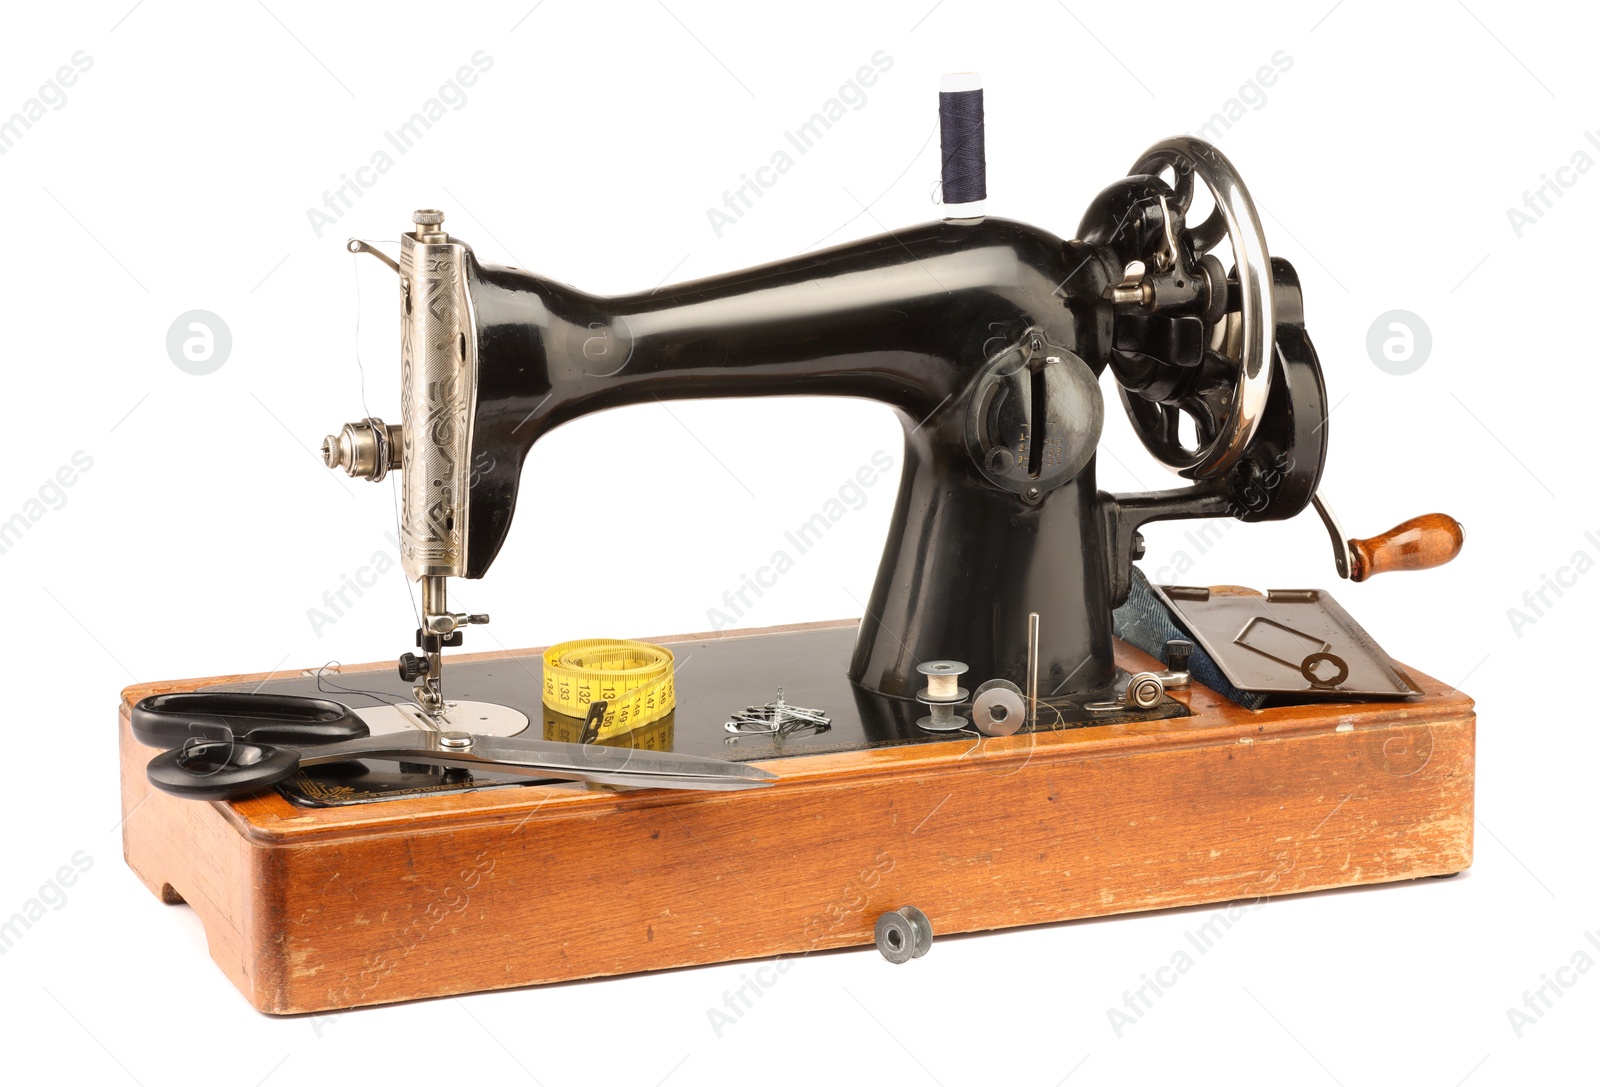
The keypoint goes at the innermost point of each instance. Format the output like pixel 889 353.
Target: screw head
pixel 1145 691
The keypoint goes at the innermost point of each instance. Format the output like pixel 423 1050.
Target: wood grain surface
pixel 315 909
pixel 1421 543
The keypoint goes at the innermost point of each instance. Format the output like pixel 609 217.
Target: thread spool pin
pixel 1033 669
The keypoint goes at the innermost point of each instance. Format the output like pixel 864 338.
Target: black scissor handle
pixel 221 769
pixel 166 720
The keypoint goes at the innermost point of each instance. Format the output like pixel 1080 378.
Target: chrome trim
pixel 1254 268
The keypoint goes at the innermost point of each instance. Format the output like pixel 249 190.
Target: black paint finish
pixel 723 675
pixel 986 337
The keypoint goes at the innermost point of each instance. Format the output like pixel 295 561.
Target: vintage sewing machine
pixel 1080 775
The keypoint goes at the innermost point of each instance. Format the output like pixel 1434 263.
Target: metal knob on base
pixel 903 934
pixel 942 695
pixel 1145 691
pixel 1179 650
pixel 1141 691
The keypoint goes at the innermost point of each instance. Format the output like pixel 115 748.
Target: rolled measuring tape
pixel 633 679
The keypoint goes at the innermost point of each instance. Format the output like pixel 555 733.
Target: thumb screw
pixel 1178 652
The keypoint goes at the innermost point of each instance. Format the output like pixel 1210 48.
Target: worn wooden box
pixel 314 909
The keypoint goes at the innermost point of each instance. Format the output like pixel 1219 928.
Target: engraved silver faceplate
pixel 438 373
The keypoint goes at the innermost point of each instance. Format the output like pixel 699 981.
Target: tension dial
pixel 1035 418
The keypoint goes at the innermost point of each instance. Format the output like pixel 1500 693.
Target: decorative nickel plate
pixel 436 375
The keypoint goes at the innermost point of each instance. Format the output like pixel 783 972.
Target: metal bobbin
pixel 998 708
pixel 941 695
pixel 903 934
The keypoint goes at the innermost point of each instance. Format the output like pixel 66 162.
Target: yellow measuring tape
pixel 633 679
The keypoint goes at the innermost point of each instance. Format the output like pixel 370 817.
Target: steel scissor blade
pixel 628 767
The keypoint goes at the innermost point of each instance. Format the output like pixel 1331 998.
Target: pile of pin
pixel 777 718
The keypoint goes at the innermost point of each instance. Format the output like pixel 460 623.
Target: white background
pixel 177 175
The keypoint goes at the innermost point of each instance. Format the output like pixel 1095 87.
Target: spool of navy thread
pixel 962 171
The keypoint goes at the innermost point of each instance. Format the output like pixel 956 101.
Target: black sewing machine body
pixel 987 337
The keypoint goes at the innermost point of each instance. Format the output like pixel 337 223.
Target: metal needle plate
pixel 479 718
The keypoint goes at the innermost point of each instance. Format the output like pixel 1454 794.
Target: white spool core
pixel 973 209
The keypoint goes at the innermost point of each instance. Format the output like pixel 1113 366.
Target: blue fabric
pixel 1146 623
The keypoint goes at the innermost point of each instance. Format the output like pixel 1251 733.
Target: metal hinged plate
pixel 1289 642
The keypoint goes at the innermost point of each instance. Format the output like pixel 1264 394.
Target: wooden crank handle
pixel 1421 543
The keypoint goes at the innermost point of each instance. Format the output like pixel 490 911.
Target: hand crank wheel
pixel 1229 395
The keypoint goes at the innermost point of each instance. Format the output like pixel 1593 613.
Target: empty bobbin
pixel 998 708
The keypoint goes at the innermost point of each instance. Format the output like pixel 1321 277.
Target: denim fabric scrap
pixel 1146 623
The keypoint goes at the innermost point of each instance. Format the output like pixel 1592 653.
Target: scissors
pixel 223 745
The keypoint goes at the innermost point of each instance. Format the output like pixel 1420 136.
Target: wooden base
pixel 316 909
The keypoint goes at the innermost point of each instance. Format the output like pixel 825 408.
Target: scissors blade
pixel 623 766
pixel 634 762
